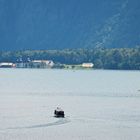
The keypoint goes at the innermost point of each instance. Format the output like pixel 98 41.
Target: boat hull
pixel 59 114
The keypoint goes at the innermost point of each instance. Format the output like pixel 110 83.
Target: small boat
pixel 59 113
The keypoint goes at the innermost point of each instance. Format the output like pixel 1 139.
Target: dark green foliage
pixel 103 58
pixel 61 24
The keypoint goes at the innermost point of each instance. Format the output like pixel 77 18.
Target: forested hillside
pixel 103 58
pixel 60 24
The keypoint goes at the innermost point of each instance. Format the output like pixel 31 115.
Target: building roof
pixel 6 64
pixel 88 65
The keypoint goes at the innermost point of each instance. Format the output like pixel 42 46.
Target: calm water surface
pixel 99 105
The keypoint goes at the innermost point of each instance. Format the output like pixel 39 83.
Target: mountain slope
pixel 59 24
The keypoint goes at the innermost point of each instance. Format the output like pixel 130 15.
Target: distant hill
pixel 60 24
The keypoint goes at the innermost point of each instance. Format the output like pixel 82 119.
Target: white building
pixel 41 63
pixel 87 65
pixel 7 65
pixel 22 65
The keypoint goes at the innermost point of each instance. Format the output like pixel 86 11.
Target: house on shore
pixel 7 65
pixel 36 64
pixel 87 65
pixel 23 65
pixel 41 64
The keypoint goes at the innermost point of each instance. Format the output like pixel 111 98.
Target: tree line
pixel 103 58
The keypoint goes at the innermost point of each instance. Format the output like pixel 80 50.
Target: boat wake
pixel 59 122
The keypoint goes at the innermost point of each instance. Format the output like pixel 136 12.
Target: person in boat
pixel 58 112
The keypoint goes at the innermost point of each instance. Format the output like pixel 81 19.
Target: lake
pixel 98 104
